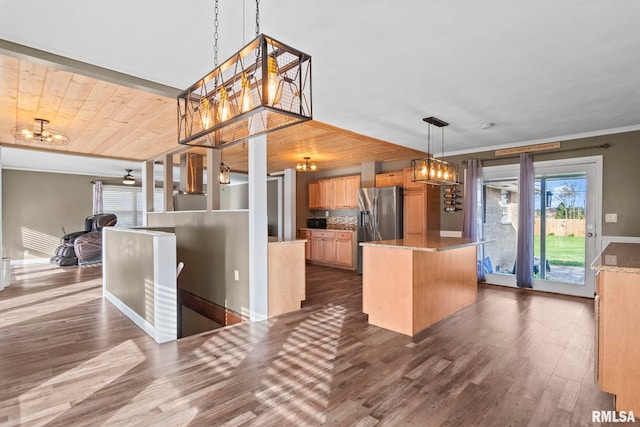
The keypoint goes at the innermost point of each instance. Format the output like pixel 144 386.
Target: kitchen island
pixel 618 324
pixel 410 284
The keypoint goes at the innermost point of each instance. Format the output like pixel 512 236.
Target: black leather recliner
pixel 83 247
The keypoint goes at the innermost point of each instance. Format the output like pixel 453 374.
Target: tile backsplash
pixel 346 221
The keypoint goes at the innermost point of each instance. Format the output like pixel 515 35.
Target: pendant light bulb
pixel 205 113
pixel 247 102
pixel 272 76
pixel 223 108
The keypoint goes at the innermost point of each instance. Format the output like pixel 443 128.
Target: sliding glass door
pixel 565 236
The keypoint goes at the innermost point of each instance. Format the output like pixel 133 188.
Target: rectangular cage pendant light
pixel 430 170
pixel 264 87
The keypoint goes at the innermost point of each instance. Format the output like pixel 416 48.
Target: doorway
pixel 566 223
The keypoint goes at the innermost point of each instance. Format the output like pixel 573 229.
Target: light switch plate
pixel 611 217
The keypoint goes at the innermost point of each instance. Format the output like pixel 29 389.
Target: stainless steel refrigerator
pixel 379 216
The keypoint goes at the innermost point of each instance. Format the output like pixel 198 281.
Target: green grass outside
pixel 562 250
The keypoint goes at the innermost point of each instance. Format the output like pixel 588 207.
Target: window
pixel 126 203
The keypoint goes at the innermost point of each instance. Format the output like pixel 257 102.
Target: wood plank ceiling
pixel 104 119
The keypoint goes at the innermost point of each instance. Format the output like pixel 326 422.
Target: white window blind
pixel 126 203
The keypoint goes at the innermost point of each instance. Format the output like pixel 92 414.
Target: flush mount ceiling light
pixel 306 166
pixel 40 133
pixel 430 170
pixel 264 87
pixel 128 179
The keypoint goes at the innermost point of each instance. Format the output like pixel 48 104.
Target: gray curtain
pixel 524 253
pixel 97 197
pixel 472 218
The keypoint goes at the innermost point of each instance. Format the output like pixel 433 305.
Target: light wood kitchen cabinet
pixel 408 184
pixel 421 209
pixel 618 324
pixel 306 234
pixel 335 248
pixel 326 194
pixel 345 192
pixel 390 179
pixel 345 249
pixel 334 193
pixel 314 195
pixel 323 246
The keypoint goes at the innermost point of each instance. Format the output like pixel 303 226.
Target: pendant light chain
pixel 442 129
pixel 257 17
pixel 215 37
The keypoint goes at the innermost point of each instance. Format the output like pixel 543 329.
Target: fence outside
pixel 562 227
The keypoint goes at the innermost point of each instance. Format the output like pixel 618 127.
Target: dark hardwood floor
pixel 68 357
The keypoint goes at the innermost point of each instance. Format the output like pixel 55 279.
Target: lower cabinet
pixel 344 249
pixel 617 343
pixel 323 249
pixel 335 248
pixel 306 234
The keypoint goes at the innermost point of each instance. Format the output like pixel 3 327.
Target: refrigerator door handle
pixel 376 218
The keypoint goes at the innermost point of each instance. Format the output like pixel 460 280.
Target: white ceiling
pixel 541 70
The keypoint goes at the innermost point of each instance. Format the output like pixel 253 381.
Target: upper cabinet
pixel 390 179
pixel 326 194
pixel 345 192
pixel 334 193
pixel 421 208
pixel 409 184
pixel 314 195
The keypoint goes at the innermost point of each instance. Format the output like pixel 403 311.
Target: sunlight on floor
pixel 73 386
pixel 38 274
pixel 143 409
pixel 16 310
pixel 298 381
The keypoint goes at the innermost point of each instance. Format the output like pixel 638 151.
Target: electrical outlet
pixel 611 217
pixel 236 275
pixel 326 213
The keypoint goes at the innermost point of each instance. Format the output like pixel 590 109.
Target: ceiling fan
pixel 129 179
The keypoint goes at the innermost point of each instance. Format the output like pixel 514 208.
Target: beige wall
pixel 212 246
pixel 621 178
pixel 129 274
pixel 35 207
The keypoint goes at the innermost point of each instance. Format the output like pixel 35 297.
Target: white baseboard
pixel 29 261
pixel 450 233
pixel 135 318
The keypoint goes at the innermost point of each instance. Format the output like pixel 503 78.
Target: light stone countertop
pixel 286 242
pixel 620 257
pixel 428 244
pixel 331 228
